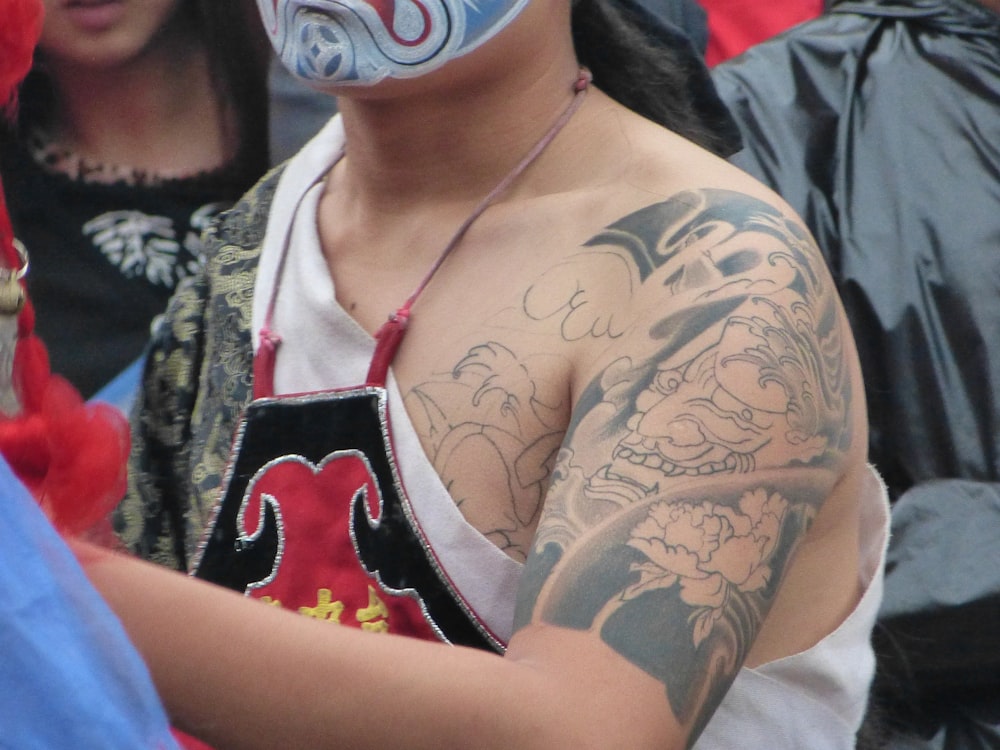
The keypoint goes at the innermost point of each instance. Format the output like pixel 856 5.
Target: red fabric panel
pixel 735 25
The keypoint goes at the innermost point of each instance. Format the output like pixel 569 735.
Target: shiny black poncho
pixel 880 123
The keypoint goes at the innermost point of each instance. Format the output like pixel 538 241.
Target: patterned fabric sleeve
pixel 149 520
pixel 197 382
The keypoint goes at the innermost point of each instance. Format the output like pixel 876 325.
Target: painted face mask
pixel 363 41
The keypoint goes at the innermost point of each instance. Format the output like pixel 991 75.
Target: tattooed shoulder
pixel 703 445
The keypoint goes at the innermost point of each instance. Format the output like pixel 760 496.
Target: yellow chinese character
pixel 269 600
pixel 369 616
pixel 325 608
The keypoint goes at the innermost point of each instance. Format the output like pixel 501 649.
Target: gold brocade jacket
pixel 197 382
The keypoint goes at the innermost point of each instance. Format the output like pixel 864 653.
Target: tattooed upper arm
pixel 702 448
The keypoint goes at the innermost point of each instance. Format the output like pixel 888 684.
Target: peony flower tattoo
pixel 714 552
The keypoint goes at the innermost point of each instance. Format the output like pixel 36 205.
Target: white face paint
pixel 363 41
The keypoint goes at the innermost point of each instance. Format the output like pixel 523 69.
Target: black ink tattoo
pixel 490 413
pixel 563 294
pixel 690 473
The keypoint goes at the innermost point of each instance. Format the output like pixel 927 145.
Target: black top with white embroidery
pixel 105 257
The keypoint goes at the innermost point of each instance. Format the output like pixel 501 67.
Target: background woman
pixel 140 121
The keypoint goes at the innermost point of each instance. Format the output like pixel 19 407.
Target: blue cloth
pixel 69 677
pixel 121 391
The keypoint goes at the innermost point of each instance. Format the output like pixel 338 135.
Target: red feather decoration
pixel 70 454
pixel 19 32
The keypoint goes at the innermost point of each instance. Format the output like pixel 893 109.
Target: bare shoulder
pixel 627 150
pixel 717 422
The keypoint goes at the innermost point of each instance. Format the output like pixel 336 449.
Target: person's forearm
pixel 240 674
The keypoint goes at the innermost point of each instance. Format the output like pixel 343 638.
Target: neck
pixel 452 137
pixel 158 113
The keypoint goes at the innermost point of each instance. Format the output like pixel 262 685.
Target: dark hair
pixel 652 68
pixel 239 55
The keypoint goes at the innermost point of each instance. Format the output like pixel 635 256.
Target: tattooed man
pixel 609 447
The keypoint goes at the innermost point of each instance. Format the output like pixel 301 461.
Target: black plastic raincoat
pixel 880 123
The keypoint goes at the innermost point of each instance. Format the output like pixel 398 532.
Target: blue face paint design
pixel 361 42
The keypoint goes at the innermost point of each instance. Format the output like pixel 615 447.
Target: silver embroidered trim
pixel 383 417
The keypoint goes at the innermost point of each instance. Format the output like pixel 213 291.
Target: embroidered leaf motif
pixel 145 246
